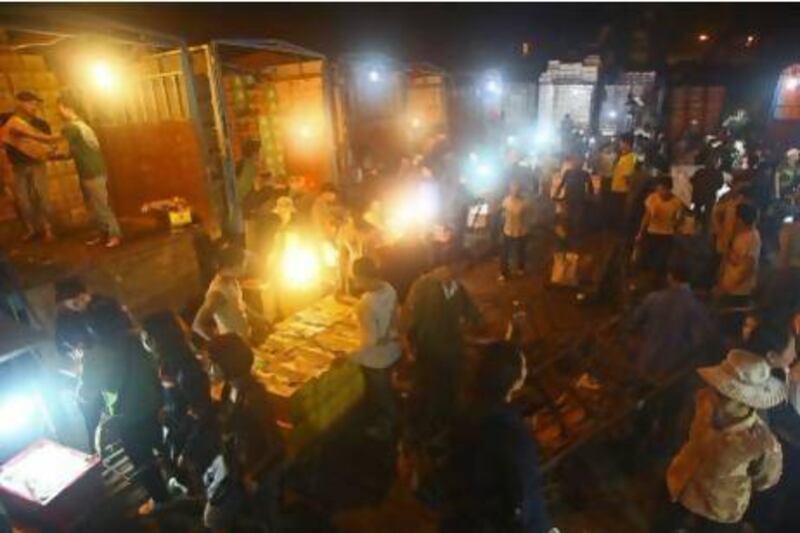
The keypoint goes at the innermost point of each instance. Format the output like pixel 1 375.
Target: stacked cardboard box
pixel 296 366
pixel 698 106
pixel 29 72
pixel 253 104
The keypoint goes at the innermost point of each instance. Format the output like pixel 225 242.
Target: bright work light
pixel 17 412
pixel 104 77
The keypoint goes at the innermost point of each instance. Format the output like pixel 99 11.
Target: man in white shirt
pixel 515 230
pixel 224 310
pixel 662 216
pixel 376 312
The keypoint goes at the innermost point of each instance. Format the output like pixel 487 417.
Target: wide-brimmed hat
pixel 745 377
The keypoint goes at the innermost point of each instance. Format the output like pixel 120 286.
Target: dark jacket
pixel 495 471
pixel 435 322
pixel 125 374
pixel 72 328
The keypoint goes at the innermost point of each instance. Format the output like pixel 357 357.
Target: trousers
pixel 380 395
pixel 32 191
pixel 95 194
pixel 509 243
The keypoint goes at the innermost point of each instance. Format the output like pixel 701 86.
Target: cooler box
pixel 50 484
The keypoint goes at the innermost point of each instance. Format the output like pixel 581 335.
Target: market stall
pixel 304 366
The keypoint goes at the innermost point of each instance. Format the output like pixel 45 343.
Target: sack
pixel 565 269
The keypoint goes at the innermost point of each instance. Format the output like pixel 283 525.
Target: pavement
pixel 348 482
pixel 355 484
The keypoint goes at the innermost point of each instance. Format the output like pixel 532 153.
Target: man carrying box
pixel 28 142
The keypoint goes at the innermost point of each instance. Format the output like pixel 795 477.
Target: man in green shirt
pixel 84 149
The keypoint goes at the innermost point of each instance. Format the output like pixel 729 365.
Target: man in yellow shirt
pixel 621 181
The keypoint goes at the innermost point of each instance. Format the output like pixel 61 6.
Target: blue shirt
pixel 674 326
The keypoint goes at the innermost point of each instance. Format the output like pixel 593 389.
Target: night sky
pixel 456 36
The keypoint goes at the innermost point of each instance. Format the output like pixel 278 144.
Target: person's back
pixel 230 314
pixel 126 376
pixel 494 475
pixel 495 466
pixel 716 471
pixel 85 149
pixel 740 268
pixel 250 430
pixel 674 326
pixel 705 184
pixel 436 311
pixel 576 184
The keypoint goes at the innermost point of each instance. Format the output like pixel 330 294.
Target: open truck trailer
pixel 271 92
pixel 141 104
pixel 387 110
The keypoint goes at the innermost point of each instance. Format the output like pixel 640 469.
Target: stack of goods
pixel 253 104
pixel 28 72
pixel 296 366
pixel 270 132
pixel 698 107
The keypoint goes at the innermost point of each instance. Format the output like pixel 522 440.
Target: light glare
pixel 300 264
pixel 16 412
pixel 103 76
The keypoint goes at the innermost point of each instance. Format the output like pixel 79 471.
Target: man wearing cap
pixel 731 451
pixel 84 148
pixel 28 142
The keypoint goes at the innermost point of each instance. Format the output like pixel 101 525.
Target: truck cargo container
pixel 630 101
pixel 698 107
pixel 132 101
pixel 569 89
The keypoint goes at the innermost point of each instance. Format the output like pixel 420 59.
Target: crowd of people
pixel 719 295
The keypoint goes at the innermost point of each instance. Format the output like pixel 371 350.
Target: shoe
pixel 94 241
pixel 113 242
pixel 176 488
pixel 502 279
pixel 147 508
